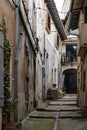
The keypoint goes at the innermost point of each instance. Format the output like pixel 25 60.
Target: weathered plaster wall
pixel 7 11
pixel 26 74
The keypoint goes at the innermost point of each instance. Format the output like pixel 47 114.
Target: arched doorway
pixel 70 81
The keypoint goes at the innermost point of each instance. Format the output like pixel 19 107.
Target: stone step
pixel 63 103
pixel 38 124
pixel 43 114
pixel 72 124
pixel 57 110
pixel 70 114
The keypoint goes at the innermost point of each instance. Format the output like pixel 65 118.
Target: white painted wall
pixel 51 63
pixel 32 15
pixel 47 42
pixel 39 58
pixel 65 8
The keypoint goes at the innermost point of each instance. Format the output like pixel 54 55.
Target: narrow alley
pixel 60 114
pixel 43 64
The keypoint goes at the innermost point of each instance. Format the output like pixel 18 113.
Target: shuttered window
pixel 1 70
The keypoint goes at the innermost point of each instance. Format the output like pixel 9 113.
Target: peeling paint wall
pixel 26 74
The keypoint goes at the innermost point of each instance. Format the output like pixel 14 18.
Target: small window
pixel 85 14
pixel 33 5
pixel 49 22
pixel 71 53
pixel 57 40
pixel 84 78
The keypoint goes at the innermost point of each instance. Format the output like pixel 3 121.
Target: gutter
pixel 55 16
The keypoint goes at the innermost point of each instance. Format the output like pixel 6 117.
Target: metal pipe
pixel 17 2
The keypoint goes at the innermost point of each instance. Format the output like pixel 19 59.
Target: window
pixel 71 53
pixel 52 76
pixel 49 22
pixel 55 72
pixel 57 40
pixel 84 78
pixel 85 14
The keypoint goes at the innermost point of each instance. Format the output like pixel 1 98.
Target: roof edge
pixel 55 16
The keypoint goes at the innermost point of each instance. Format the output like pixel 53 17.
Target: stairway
pixel 61 114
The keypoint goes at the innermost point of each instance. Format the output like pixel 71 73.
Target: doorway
pixel 70 81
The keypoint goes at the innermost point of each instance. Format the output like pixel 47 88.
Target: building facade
pixel 69 66
pixel 25 64
pixel 22 61
pixel 7 13
pixel 48 34
pixel 80 23
pixel 35 34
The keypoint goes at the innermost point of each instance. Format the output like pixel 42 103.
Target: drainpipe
pixel 43 76
pixel 16 58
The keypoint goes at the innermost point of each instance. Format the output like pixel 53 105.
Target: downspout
pixel 44 75
pixel 16 59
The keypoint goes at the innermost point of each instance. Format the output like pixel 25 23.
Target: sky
pixel 59 4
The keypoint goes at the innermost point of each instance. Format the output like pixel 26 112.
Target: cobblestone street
pixel 62 114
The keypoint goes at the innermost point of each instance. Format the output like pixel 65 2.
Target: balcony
pixel 68 60
pixel 82 45
pixel 65 60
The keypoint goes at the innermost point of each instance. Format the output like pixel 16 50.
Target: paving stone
pixel 72 124
pixel 37 124
pixel 57 115
pixel 70 114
